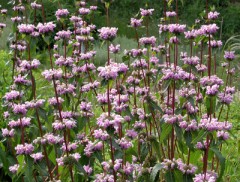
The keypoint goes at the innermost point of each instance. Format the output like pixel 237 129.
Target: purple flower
pixel 124 143
pixel 229 55
pixel 87 56
pixel 171 13
pixel 100 134
pixel 186 92
pixel 53 100
pixel 87 169
pixel 14 168
pixel 212 15
pixel 75 19
pixel 26 28
pixel 208 177
pixel 61 13
pixel 108 33
pixel 170 119
pixel 63 35
pixel 21 80
pixel 52 73
pixel 46 27
pixel 24 149
pixel 146 12
pixel 105 121
pixel 34 5
pixel 37 156
pixel 13 95
pixel 209 29
pixel 186 168
pixel 225 98
pixel 176 28
pixel 84 11
pixel 2 25
pixel 4 11
pixel 169 164
pixel 222 135
pixel 189 126
pixel 7 133
pixel 18 8
pixel 25 121
pixel 213 80
pixel 136 22
pixel 19 109
pixel 174 40
pixel 131 134
pixel 108 72
pixel 230 90
pixel 148 41
pixel 190 34
pixel 212 90
pixel 114 49
pixel 93 8
pixel 215 43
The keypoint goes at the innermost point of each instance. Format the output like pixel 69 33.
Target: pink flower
pixel 34 5
pixel 136 22
pixel 87 169
pixel 26 28
pixel 84 11
pixel 24 149
pixel 229 55
pixel 46 27
pixel 171 13
pixel 148 41
pixel 14 168
pixel 108 33
pixel 212 15
pixel 61 13
pixel 146 12
pixel 37 156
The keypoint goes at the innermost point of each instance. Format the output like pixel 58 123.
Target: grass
pixel 5 34
pixel 231 150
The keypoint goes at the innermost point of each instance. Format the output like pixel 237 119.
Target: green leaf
pixel 166 130
pixel 222 161
pixel 99 156
pixel 169 176
pixel 125 58
pixel 191 100
pixel 156 146
pixel 179 132
pixel 155 171
pixel 200 136
pixel 165 86
pixel 211 104
pixel 187 178
pixel 153 105
pixel 52 156
pixel 188 138
pixel 46 39
pixel 29 168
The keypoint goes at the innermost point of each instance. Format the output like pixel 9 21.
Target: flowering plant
pixel 156 114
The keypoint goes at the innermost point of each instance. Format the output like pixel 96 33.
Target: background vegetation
pixel 121 12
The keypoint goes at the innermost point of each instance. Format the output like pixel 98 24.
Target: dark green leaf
pixel 155 171
pixel 166 130
pixel 221 160
pixel 200 136
pixel 169 176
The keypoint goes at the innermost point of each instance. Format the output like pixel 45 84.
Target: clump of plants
pixel 155 115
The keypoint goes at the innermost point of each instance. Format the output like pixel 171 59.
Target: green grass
pixel 4 35
pixel 231 150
